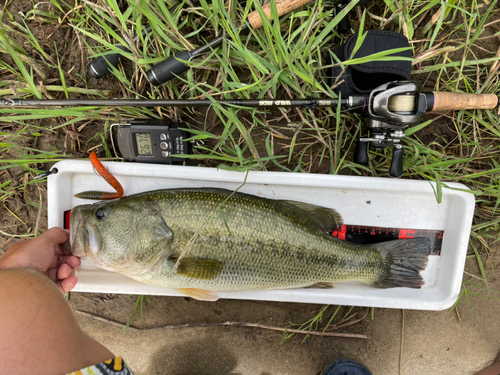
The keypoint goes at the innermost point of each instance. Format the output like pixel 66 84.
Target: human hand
pixel 45 254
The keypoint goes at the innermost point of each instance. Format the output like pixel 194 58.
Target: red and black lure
pixel 110 179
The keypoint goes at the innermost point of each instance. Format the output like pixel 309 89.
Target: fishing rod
pixel 350 103
pixel 389 110
pixel 169 68
pixel 398 102
pixel 174 65
pixel 101 66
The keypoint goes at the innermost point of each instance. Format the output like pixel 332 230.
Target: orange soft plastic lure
pixel 110 179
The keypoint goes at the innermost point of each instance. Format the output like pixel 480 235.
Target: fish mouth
pixel 74 223
pixel 84 237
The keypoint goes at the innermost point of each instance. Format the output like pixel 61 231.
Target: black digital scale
pixel 150 141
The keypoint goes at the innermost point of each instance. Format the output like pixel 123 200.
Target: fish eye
pixel 100 213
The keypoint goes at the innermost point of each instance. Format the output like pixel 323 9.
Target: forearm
pixel 493 369
pixel 39 331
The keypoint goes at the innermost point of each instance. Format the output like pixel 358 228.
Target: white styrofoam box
pixel 381 202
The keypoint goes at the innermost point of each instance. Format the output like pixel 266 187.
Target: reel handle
pixel 283 7
pixel 396 168
pixel 449 101
pixel 361 153
pixel 101 66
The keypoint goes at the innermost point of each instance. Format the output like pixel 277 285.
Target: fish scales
pixel 258 240
pixel 227 241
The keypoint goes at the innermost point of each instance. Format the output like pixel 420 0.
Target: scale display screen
pixel 144 146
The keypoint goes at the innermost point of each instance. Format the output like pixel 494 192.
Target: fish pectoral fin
pixel 198 268
pixel 324 285
pixel 199 294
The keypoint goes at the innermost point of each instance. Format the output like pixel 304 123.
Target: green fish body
pixel 203 241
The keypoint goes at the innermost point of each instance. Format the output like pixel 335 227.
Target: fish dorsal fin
pixel 199 294
pixel 326 218
pixel 197 268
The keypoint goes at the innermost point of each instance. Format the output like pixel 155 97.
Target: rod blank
pixel 308 103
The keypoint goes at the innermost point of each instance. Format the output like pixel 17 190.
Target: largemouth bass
pixel 204 241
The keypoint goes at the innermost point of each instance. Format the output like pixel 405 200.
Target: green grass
pixel 139 303
pixel 454 44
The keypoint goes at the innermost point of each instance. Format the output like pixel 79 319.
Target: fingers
pixel 73 261
pixel 45 255
pixel 64 277
pixel 68 284
pixel 55 235
pixel 64 272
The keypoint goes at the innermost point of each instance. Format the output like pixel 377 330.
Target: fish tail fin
pixel 403 261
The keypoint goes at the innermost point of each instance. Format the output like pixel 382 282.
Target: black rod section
pixel 307 103
pixel 171 67
pixel 100 67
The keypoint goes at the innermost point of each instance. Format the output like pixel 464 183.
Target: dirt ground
pixel 422 342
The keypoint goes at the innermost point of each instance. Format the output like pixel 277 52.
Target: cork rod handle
pixel 448 101
pixel 283 7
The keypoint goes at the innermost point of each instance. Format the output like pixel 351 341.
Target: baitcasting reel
pixel 392 107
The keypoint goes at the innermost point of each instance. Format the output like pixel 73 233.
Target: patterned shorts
pixel 115 366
